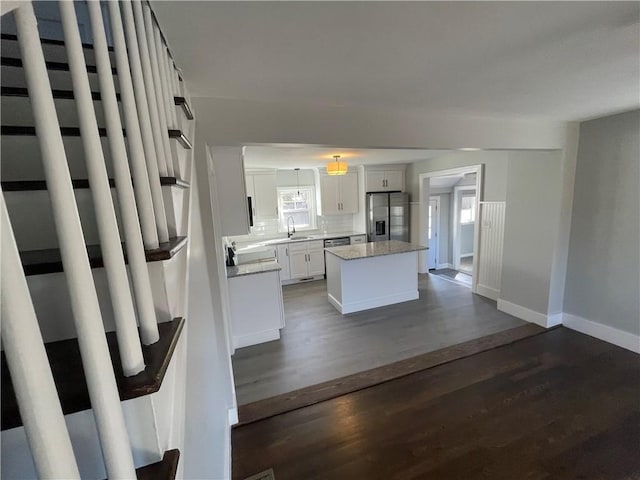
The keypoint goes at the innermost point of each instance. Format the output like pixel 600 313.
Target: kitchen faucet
pixel 293 224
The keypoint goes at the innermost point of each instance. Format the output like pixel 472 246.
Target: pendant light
pixel 297 197
pixel 337 167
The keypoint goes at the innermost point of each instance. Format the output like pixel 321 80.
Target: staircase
pixel 96 156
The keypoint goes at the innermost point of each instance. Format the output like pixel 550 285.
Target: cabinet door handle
pixel 286 252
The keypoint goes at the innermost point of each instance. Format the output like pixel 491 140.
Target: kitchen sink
pixel 299 237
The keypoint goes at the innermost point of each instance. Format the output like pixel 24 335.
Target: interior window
pixel 297 203
pixel 468 209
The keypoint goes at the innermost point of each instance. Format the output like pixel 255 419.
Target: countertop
pixel 374 249
pixel 302 237
pixel 253 268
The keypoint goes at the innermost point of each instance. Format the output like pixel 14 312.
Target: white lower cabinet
pixel 306 259
pixel 282 253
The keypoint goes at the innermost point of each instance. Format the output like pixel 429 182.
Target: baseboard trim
pixel 465 255
pixel 626 340
pixel 255 338
pixel 488 292
pixel 353 307
pixel 232 415
pixel 528 315
pixel 440 266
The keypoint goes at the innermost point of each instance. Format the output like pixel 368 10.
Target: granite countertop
pixel 307 238
pixel 374 249
pixel 253 268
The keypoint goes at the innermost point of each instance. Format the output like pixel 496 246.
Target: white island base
pixel 370 282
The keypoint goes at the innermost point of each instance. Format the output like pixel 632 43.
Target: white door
pixel 432 233
pixel 349 193
pixel 315 259
pixel 375 182
pixel 298 264
pixel 266 196
pixel 329 194
pixel 394 181
pixel 283 261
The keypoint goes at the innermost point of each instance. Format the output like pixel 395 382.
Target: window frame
pixel 311 202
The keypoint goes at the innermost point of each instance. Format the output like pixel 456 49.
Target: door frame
pixel 457 226
pixel 423 184
pixel 435 198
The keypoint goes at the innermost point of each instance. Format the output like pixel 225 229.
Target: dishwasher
pixel 334 242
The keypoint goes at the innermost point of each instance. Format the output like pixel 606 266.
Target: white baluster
pixel 142 189
pixel 161 92
pixel 124 313
pixel 33 383
pixel 124 188
pixel 96 361
pixel 159 134
pixel 141 98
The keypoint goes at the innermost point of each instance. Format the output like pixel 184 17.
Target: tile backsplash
pixel 266 229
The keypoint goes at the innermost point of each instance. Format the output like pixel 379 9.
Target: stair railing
pixel 142 98
pixel 161 93
pixel 87 317
pixel 124 187
pixel 105 214
pixel 28 364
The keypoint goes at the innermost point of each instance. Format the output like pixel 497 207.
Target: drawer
pixel 298 246
pixel 315 245
pixel 358 239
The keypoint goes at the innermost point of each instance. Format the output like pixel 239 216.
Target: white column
pixel 96 361
pixel 33 383
pixel 159 134
pixel 137 161
pixel 140 89
pixel 124 188
pixel 113 257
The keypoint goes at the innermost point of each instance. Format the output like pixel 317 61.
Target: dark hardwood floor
pixel 318 344
pixel 559 405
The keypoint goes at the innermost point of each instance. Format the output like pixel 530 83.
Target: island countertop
pixel 374 249
pixel 253 268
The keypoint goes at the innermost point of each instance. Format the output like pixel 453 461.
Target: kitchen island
pixel 370 275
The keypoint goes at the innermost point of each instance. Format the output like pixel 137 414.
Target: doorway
pixel 434 226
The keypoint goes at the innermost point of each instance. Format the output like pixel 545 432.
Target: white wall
pixel 602 282
pixel 495 171
pixel 239 122
pixel 531 228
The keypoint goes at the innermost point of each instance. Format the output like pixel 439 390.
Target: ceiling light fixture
pixel 337 167
pixel 297 197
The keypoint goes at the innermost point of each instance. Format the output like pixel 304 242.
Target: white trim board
pixel 528 315
pixel 440 266
pixel 603 332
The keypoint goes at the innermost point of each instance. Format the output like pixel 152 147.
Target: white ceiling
pixel 547 60
pixel 302 156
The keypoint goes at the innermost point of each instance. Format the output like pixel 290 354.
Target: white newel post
pixel 166 166
pixel 141 96
pixel 124 188
pixel 161 92
pixel 101 381
pixel 27 360
pixel 113 257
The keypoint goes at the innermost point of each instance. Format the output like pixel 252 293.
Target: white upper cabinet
pixel 262 188
pixel 339 194
pixel 228 178
pixel 385 180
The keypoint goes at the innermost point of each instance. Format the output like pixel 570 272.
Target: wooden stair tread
pixel 165 469
pixel 66 366
pixel 182 102
pixel 29 131
pixel 23 92
pixel 28 185
pixel 57 66
pixel 49 41
pixel 41 262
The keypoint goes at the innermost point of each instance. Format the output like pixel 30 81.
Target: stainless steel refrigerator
pixel 388 216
